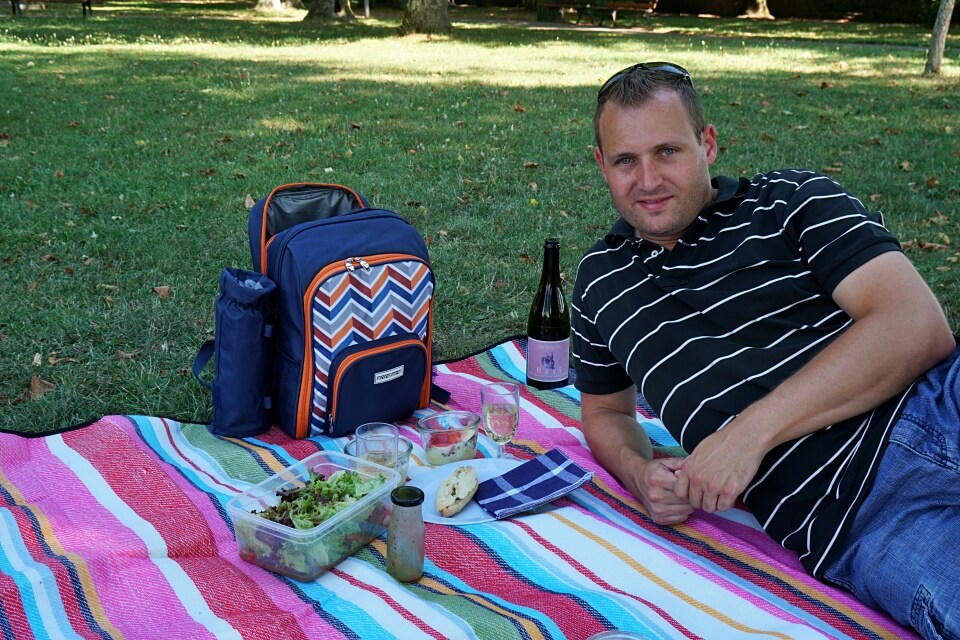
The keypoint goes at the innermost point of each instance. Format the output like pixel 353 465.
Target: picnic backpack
pixel 352 329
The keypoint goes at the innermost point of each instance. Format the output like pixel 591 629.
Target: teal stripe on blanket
pixel 36 586
pixel 588 562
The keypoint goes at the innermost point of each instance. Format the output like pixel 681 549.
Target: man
pixel 779 332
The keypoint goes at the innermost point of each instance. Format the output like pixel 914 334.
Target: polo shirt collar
pixel 727 190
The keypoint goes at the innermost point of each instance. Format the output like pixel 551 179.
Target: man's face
pixel 657 168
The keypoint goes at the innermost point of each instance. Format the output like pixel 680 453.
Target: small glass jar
pixel 405 534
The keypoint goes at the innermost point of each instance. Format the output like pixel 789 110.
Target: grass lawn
pixel 132 142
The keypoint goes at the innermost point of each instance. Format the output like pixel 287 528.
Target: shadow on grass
pixel 129 166
pixel 238 22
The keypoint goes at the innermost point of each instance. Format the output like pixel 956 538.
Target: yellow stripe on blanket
pixel 753 561
pixel 264 453
pixel 532 631
pixel 801 587
pixel 663 584
pixel 82 570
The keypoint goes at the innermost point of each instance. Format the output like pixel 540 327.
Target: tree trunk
pixel 347 10
pixel 758 9
pixel 426 16
pixel 321 10
pixel 938 40
pixel 278 5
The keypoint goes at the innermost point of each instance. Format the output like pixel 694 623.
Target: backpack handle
pixel 202 358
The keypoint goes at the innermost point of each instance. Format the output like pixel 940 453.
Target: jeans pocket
pixel 926 619
pixel 933 437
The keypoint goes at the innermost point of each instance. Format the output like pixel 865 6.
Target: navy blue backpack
pixel 352 333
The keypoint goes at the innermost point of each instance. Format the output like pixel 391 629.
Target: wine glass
pixel 500 403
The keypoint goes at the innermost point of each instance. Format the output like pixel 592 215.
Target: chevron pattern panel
pixel 360 306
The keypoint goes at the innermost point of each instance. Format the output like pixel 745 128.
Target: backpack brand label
pixel 388 375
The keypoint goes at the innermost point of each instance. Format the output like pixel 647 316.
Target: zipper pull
pixel 350 264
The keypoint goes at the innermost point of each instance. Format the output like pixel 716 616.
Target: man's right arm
pixel 621 445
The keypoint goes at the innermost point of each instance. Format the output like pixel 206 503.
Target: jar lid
pixel 407 496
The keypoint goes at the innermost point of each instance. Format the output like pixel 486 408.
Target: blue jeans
pixel 903 552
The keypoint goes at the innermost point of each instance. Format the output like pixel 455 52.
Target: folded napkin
pixel 533 483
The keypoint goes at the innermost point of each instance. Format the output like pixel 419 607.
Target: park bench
pixel 85 5
pixel 597 11
pixel 613 9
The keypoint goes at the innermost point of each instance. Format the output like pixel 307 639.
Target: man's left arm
pixel 899 332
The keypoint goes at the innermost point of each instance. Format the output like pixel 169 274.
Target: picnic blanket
pixel 118 529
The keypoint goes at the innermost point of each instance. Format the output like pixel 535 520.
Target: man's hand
pixel 718 470
pixel 620 444
pixel 899 331
pixel 655 485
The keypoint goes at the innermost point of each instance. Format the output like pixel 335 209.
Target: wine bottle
pixel 548 326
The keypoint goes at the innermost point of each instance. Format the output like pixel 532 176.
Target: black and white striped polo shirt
pixel 740 303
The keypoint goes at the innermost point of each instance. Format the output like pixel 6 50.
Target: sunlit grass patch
pixel 131 141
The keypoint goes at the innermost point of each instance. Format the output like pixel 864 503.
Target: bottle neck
pixel 551 263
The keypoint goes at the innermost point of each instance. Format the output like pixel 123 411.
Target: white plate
pixel 430 481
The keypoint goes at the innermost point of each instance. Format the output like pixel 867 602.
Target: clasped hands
pixel 711 478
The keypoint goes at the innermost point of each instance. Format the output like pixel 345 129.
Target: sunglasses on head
pixel 668 67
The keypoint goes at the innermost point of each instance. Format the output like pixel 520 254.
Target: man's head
pixel 633 86
pixel 655 149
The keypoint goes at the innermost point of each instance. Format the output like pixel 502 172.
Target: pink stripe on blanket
pixel 593 577
pixel 277 589
pixel 489 575
pixel 80 524
pixel 243 594
pixel 775 562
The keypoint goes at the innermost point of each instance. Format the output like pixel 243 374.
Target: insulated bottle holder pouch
pixel 242 351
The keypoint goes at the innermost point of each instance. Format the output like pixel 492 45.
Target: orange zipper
pixel 302 426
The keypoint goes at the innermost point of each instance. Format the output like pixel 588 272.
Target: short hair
pixel 636 86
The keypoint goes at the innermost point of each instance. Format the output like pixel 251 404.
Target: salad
pixel 320 499
pixel 296 552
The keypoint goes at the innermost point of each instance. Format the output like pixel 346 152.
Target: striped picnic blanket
pixel 119 529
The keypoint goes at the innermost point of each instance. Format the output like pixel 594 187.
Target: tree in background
pixel 426 16
pixel 758 9
pixel 938 40
pixel 325 9
pixel 278 5
pixel 320 10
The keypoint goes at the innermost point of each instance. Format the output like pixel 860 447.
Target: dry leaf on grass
pixel 54 359
pixel 39 386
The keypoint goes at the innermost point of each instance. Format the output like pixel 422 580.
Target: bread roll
pixel 456 491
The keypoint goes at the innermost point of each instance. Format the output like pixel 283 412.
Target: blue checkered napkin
pixel 535 482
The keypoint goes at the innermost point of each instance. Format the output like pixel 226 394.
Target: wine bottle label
pixel 548 361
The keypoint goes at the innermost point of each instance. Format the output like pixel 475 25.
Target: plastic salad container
pixel 304 554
